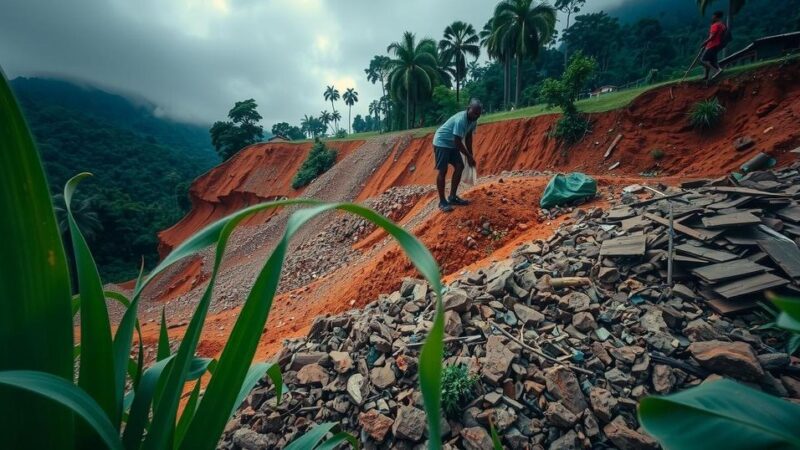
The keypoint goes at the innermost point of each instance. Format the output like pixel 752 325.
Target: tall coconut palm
pixel 413 71
pixel 325 117
pixel 307 124
pixel 375 109
pixel 498 51
pixel 350 98
pixel 378 70
pixel 524 28
pixel 332 94
pixel 336 117
pixel 460 42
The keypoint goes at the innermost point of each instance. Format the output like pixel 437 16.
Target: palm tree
pixel 413 71
pixel 350 98
pixel 325 117
pixel 523 29
pixel 375 109
pixel 85 215
pixel 336 117
pixel 497 51
pixel 460 41
pixel 472 69
pixel 307 124
pixel 378 70
pixel 332 94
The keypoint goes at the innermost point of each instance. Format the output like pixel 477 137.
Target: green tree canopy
pixel 460 42
pixel 414 71
pixel 241 130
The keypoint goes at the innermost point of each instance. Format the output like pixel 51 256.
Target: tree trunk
pixel 457 86
pixel 506 82
pixel 334 110
pixel 408 104
pixel 519 79
pixel 566 49
pixel 349 121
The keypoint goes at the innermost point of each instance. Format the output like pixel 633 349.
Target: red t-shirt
pixel 717 31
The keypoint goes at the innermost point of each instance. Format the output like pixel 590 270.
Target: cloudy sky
pixel 195 58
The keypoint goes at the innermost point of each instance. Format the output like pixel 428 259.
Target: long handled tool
pixel 694 63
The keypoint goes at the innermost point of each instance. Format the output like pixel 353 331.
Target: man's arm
pixel 465 148
pixel 711 34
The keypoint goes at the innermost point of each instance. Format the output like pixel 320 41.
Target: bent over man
pixel 451 140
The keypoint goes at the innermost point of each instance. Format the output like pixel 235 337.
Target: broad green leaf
pixel 311 438
pixel 198 367
pixel 35 323
pixel 789 318
pixel 163 339
pixel 143 398
pixel 231 370
pixel 721 414
pixel 64 392
pixel 96 362
pixel 337 439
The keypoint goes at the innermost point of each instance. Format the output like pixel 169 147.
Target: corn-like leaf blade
pixel 35 323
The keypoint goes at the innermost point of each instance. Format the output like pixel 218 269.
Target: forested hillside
pixel 143 166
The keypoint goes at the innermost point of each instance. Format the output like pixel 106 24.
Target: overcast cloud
pixel 194 58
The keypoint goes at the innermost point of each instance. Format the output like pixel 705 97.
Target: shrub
pixel 117 402
pixel 341 134
pixel 318 161
pixel 563 93
pixel 706 114
pixel 657 154
pixel 458 388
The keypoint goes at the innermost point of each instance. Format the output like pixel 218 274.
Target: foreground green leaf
pixel 789 318
pixel 64 392
pixel 35 323
pixel 721 414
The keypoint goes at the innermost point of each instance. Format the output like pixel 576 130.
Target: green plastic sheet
pixel 563 189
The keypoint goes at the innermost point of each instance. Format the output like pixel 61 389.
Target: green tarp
pixel 568 188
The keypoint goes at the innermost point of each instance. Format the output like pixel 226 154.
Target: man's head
pixel 717 16
pixel 474 109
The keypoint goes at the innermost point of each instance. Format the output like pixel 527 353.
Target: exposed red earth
pixel 762 105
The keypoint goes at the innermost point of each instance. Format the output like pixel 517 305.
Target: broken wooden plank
pixel 728 307
pixel 716 273
pixel 731 220
pixel 700 235
pixel 747 237
pixel 746 191
pixel 688 260
pixel 792 213
pixel 625 246
pixel 752 285
pixel 735 203
pixel 657 198
pixel 613 144
pixel 706 253
pixel 785 254
pixel 620 213
pixel 634 223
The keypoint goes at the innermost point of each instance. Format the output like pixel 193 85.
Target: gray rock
pixel 735 359
pixel 603 404
pixel 569 441
pixel 456 300
pixel 382 377
pixel 563 385
pixel 497 360
pixel 584 321
pixel 248 439
pixel 409 423
pixel 528 315
pixel 626 439
pixel 560 416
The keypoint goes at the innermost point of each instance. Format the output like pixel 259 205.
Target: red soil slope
pixel 256 174
pixel 756 102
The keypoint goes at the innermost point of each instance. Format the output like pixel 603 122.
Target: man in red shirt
pixel 713 45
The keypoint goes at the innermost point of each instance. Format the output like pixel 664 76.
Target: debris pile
pixel 565 336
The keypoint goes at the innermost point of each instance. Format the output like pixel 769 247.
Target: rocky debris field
pixel 332 247
pixel 563 338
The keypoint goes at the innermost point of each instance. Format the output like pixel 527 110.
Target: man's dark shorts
pixel 710 55
pixel 445 156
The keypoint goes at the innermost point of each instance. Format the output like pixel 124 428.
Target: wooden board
pixel 746 191
pixel 735 203
pixel 706 253
pixel 785 254
pixel 792 213
pixel 621 213
pixel 613 144
pixel 728 307
pixel 716 273
pixel 625 246
pixel 747 236
pixel 634 223
pixel 694 233
pixel 794 230
pixel 752 285
pixel 738 219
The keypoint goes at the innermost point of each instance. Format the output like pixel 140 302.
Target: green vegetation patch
pixel 319 160
pixel 706 114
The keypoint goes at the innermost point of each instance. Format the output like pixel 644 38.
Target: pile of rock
pixel 565 336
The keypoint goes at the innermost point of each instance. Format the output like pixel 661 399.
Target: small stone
pixel 375 424
pixel 663 378
pixel 248 439
pixel 560 416
pixel 476 438
pixel 772 361
pixel 563 385
pixel 528 315
pixel 626 439
pixel 569 441
pixel 452 324
pixel 627 354
pixel 576 301
pixel 342 363
pixel 312 374
pixel 735 359
pixel 409 423
pixel 456 300
pixel 382 377
pixel 653 321
pixel 584 322
pixel 700 330
pixel 497 360
pixel 608 275
pixel 603 403
pixel 355 385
